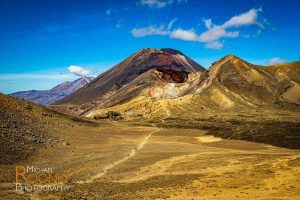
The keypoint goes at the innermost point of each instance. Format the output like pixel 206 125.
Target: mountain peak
pixel 229 61
pixel 227 58
pixel 169 62
pixel 86 79
pixel 171 51
pixel 164 59
pixel 160 51
pixel 230 56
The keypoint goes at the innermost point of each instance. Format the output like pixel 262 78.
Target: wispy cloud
pixel 150 30
pixel 213 33
pixel 171 23
pixel 159 3
pixel 214 45
pixel 244 19
pixel 73 71
pixel 249 35
pixel 276 60
pixel 153 30
pixel 8 77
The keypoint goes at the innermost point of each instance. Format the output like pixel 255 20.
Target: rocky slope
pixel 27 127
pixel 45 97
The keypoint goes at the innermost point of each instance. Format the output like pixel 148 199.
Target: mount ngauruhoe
pixel 157 71
pixel 154 83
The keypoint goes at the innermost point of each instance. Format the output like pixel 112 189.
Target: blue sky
pixel 46 42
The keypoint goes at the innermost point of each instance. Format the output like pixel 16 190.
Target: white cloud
pixel 159 3
pixel 187 35
pixel 214 45
pixel 208 23
pixel 274 61
pixel 216 32
pixel 156 3
pixel 244 19
pixel 213 33
pixel 79 71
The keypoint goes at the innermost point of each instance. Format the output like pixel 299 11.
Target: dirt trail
pixel 111 166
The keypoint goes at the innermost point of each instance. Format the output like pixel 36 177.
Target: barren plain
pixel 119 161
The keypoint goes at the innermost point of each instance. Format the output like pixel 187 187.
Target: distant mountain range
pixel 45 97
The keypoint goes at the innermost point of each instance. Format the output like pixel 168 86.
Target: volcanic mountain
pixel 231 84
pixel 45 97
pixel 145 69
pixel 152 83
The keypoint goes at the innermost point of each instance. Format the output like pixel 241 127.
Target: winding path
pixel 111 166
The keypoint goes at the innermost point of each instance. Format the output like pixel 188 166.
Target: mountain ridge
pixel 44 97
pixel 163 75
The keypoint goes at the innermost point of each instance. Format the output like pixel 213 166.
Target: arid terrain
pixel 120 161
pixel 159 126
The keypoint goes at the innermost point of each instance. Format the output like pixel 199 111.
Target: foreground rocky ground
pixel 26 127
pixel 120 161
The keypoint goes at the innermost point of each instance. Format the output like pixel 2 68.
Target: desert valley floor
pixel 118 161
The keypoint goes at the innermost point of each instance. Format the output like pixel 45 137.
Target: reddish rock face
pixel 174 76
